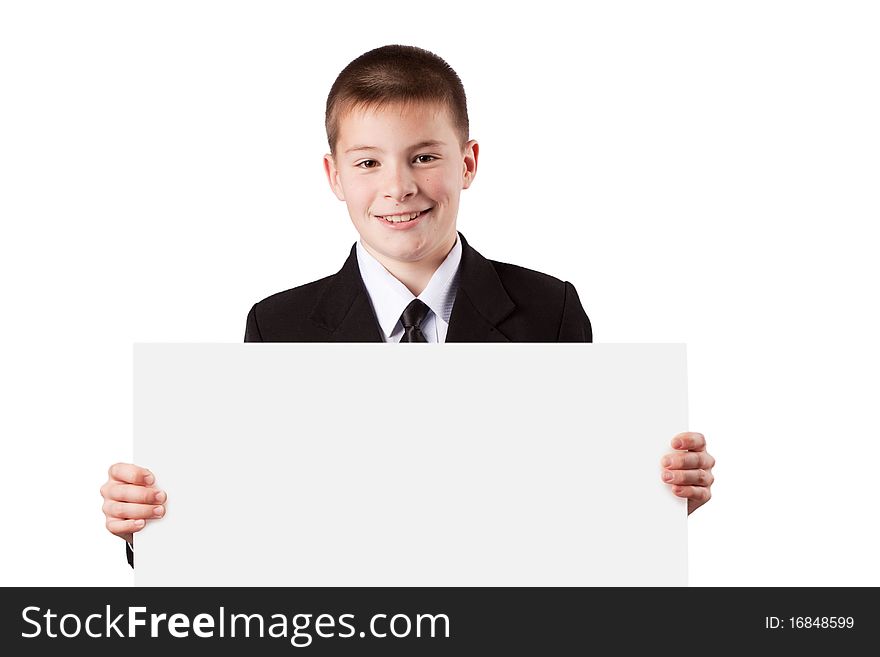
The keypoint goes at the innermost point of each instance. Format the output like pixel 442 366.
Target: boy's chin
pixel 408 248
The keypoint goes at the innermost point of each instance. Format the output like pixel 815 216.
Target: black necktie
pixel 411 318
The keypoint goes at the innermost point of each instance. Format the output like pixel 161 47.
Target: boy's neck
pixel 414 275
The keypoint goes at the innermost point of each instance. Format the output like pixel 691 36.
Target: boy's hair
pixel 395 74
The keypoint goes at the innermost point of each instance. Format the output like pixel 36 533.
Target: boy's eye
pixel 419 159
pixel 367 164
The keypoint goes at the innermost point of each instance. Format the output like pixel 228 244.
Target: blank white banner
pixel 422 465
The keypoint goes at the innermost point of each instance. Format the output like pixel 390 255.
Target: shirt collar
pixel 390 297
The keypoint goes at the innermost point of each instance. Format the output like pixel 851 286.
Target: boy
pixel 400 154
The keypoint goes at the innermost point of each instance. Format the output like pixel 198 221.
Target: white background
pixel 703 172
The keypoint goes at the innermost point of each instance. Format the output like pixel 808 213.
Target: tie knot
pixel 414 314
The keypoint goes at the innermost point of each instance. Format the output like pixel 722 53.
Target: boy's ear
pixel 469 163
pixel 333 176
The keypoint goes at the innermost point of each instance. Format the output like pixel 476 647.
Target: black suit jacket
pixel 495 302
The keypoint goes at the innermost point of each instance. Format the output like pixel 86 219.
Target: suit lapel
pixel 481 302
pixel 344 309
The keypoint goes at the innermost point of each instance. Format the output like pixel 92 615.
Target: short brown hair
pixel 395 74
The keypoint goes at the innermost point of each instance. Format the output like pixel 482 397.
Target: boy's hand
pixel 130 499
pixel 689 472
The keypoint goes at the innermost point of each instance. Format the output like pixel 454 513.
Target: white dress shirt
pixel 390 297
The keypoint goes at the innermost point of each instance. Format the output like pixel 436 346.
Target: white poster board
pixel 424 465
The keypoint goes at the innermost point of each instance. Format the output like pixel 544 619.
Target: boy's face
pixel 393 163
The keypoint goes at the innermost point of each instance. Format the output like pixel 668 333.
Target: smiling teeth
pixel 400 218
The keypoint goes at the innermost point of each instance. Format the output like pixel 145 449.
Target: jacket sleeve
pixel 252 331
pixel 575 325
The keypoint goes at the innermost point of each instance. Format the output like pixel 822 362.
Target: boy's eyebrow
pixel 430 143
pixel 422 144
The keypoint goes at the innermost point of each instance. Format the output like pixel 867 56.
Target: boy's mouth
pixel 402 218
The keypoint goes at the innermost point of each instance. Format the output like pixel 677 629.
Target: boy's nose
pixel 400 184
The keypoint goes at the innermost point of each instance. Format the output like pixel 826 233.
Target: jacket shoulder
pixel 517 279
pixel 296 297
pixel 284 316
pixel 548 309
